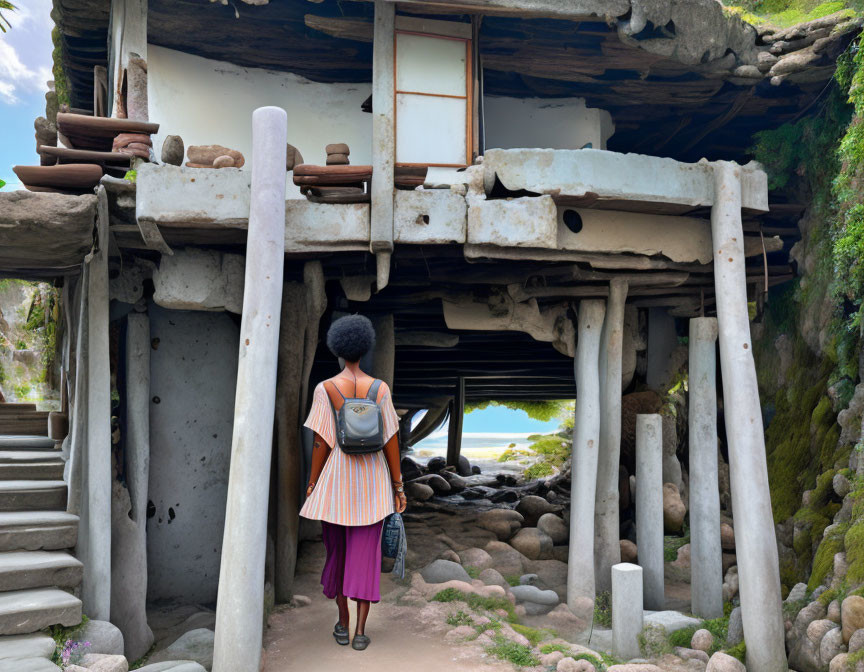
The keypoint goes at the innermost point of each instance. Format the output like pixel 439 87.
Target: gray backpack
pixel 359 423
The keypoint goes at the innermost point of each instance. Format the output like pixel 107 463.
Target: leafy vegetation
pixel 603 609
pixel 543 411
pixel 459 618
pixel 784 13
pixel 477 602
pixel 518 654
pixel 4 21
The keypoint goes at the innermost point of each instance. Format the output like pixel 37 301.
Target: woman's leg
pixel 362 613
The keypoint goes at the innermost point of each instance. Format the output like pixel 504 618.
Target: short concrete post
pixel 586 439
pixel 240 604
pixel 706 561
pixel 94 532
pixel 608 550
pixel 627 615
pixel 755 541
pixel 649 506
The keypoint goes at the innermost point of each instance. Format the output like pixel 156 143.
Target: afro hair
pixel 351 337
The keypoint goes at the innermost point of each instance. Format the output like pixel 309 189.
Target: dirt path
pixel 409 639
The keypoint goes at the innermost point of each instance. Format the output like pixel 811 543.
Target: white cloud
pixel 25 51
pixel 17 77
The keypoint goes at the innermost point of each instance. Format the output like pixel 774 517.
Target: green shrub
pixel 473 572
pixel 518 654
pixel 603 609
pixel 533 635
pixel 459 618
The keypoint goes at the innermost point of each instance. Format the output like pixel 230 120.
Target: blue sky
pixel 25 67
pixel 500 420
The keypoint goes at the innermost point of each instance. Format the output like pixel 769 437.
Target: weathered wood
pixel 454 430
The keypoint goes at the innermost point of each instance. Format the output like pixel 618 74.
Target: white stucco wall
pixel 209 102
pixel 193 375
pixel 546 123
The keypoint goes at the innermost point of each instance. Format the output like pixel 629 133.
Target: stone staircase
pixel 38 574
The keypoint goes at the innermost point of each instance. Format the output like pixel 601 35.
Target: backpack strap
pixel 372 394
pixel 330 396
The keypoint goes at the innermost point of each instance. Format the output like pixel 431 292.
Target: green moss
pixel 603 609
pixel 738 651
pixel 477 602
pixel 518 654
pixel 473 572
pixel 60 85
pixel 534 635
pixel 823 562
pixel 854 544
pixel 654 641
pixel 549 648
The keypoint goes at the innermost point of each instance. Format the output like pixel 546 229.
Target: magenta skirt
pixel 353 565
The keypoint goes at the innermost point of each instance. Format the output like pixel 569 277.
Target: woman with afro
pixel 352 494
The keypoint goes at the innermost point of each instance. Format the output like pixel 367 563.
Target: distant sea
pixel 482 449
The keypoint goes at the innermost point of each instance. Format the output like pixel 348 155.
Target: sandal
pixel 340 633
pixel 360 642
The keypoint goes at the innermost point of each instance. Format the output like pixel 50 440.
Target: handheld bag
pixel 359 423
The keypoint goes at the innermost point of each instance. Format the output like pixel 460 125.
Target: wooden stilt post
pixel 454 430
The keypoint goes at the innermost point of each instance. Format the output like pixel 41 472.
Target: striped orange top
pixel 352 489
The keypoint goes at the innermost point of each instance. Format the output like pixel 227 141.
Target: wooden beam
pixel 454 430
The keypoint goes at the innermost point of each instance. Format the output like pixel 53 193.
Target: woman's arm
pixel 391 453
pixel 320 453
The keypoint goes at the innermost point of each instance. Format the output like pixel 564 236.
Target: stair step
pixel 39 569
pixel 25 442
pixel 26 423
pixel 37 530
pixel 27 665
pixel 37 645
pixel 14 407
pixel 21 465
pixel 32 495
pixel 25 611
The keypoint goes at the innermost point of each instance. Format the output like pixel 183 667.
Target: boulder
pixel 834 611
pixel 673 509
pixel 492 577
pixel 534 600
pixel 528 580
pixel 691 654
pixel 554 527
pixel 195 645
pixel 550 659
pixel 572 665
pixel 419 492
pixel 856 641
pixel 464 466
pixel 533 543
pixel 506 559
pixel 104 638
pixel 173 666
pixel 841 484
pixel 475 557
pixel 702 640
pixel 818 629
pixel 100 662
pixel 173 150
pixel 722 662
pixel 456 482
pixel 798 592
pixel 532 507
pixel 839 663
pixel 735 633
pixel 438 483
pixel 441 571
pixel 727 537
pixel 671 621
pixel 410 469
pixel 293 157
pixel 460 633
pixel 502 522
pixel 831 645
pixel 851 616
pixel 205 155
pixel 628 551
pixel 436 464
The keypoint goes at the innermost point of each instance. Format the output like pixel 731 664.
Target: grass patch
pixel 671 544
pixel 513 579
pixel 518 654
pixel 549 648
pixel 738 651
pixel 477 602
pixel 459 618
pixel 534 635
pixel 473 572
pixel 718 627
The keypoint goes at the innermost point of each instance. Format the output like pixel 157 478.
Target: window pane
pixel 430 65
pixel 430 130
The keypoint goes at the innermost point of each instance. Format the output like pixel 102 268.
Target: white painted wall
pixel 209 102
pixel 559 123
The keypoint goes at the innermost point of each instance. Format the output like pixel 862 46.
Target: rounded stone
pixel 554 527
pixel 838 663
pixel 337 148
pixel 532 507
pixel 527 593
pixel 722 662
pixel 851 615
pixel 441 571
pixel 818 629
pixel 293 157
pixel 173 150
pixel 528 580
pixel 727 537
pixel 702 640
pixel 492 577
pixel 834 611
pixel 532 543
pixel 841 485
pixel 475 557
pixel 104 637
pixel 502 522
pixel 337 160
pixel 831 644
pixel 735 633
pixel 506 559
pixel 572 665
pixel 673 508
pixel 464 466
pixel 628 551
pixel 418 491
pixel 856 641
pixel 436 464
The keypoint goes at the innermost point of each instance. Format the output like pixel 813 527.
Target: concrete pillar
pixel 128 40
pixel 239 608
pixel 94 531
pixel 384 356
pixel 755 542
pixel 586 439
pixel 608 550
pixel 627 615
pixel 292 334
pixel 383 139
pixel 454 428
pixel 76 441
pixel 706 559
pixel 649 506
pixel 662 341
